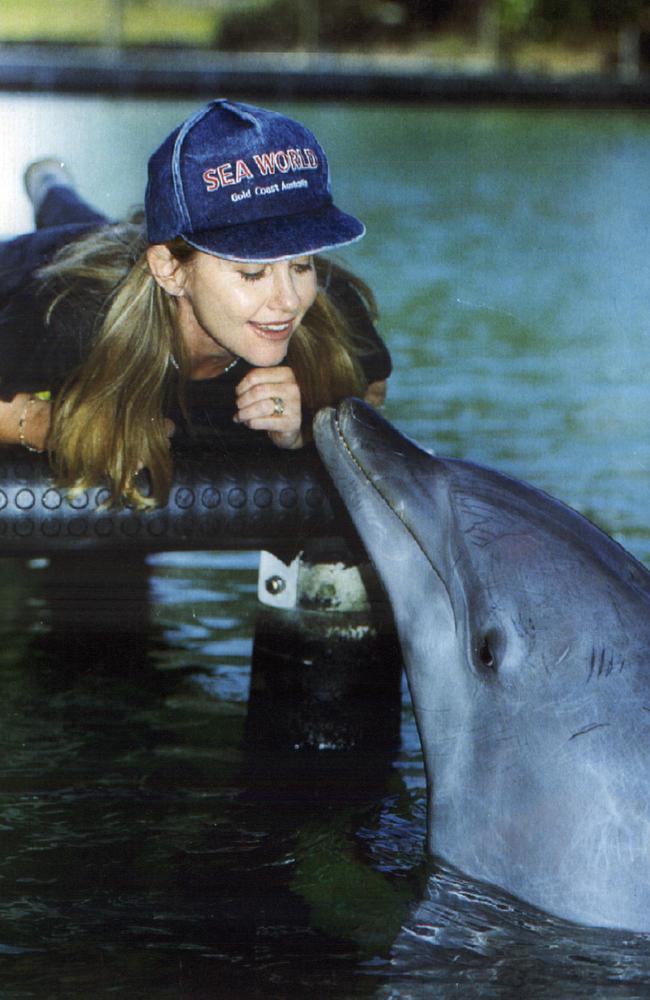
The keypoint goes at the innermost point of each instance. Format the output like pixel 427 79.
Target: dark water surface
pixel 145 852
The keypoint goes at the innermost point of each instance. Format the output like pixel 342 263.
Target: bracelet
pixel 21 428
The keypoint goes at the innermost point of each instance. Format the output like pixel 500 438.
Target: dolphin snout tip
pixel 348 412
pixel 324 416
pixel 358 411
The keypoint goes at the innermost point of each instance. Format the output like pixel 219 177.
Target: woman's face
pixel 248 310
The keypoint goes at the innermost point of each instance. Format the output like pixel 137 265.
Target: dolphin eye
pixel 486 655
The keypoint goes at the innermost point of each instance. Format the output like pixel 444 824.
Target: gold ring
pixel 278 406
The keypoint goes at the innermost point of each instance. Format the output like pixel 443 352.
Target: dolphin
pixel 525 632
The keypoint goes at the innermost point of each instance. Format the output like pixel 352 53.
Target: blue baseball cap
pixel 243 183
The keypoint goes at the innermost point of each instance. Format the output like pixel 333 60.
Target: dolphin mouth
pixel 362 432
pixel 337 419
pixel 330 426
pixel 355 429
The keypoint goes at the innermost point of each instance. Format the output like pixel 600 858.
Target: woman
pixel 115 336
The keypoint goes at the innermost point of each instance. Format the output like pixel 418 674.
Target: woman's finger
pixel 264 377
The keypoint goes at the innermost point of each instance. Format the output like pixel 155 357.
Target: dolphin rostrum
pixel 525 632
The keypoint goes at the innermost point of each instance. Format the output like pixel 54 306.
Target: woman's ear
pixel 166 269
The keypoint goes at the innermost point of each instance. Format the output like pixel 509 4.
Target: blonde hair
pixel 108 418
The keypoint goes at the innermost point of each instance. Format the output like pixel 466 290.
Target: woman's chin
pixel 267 357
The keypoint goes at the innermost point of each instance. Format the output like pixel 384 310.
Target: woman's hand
pixel 268 399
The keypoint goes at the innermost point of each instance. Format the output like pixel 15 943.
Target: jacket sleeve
pixel 36 356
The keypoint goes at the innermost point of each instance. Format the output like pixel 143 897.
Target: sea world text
pixel 281 161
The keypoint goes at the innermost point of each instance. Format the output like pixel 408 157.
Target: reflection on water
pixel 145 852
pixel 467 936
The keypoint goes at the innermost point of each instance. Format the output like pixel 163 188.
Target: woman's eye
pixel 303 267
pixel 252 275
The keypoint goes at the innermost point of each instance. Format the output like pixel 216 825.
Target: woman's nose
pixel 283 293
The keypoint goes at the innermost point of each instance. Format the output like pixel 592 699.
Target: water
pixel 145 853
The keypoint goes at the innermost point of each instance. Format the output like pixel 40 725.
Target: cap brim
pixel 280 238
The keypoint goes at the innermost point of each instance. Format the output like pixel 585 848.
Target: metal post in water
pixel 326 668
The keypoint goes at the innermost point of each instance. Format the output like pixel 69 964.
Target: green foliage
pixel 582 14
pixel 514 14
pixel 288 24
pixel 141 22
pixel 284 24
pixel 608 13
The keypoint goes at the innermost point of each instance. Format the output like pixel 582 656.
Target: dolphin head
pixel 526 639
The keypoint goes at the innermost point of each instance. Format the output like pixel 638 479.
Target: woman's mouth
pixel 274 331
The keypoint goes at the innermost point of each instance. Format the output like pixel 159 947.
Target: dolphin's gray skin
pixel 526 638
